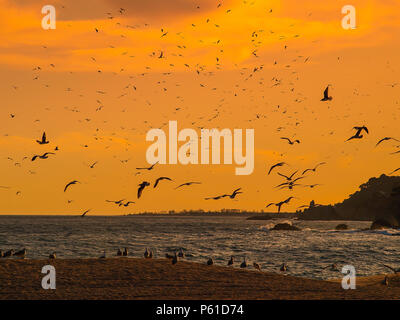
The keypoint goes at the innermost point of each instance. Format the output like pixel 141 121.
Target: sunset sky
pixel 225 64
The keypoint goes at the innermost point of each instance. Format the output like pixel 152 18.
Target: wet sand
pixel 158 279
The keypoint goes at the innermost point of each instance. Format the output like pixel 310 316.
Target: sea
pixel 307 252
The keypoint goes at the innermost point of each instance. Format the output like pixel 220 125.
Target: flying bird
pixel 44 140
pixel 84 214
pixel 147 168
pixel 290 141
pixel 44 156
pixel 280 164
pixel 315 168
pixel 385 139
pixel 326 95
pixel 160 179
pixel 142 185
pixel 358 134
pixel 187 184
pixel 280 204
pixel 70 184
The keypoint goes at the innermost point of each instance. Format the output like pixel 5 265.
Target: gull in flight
pixel 147 168
pixel 279 204
pixel 70 184
pixel 358 134
pixel 326 95
pixel 280 164
pixel 43 141
pixel 142 185
pixel 44 156
pixel 187 184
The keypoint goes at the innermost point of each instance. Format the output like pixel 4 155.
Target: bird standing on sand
pixel 175 259
pixel 244 263
pixel 181 254
pixel 119 252
pixel 283 267
pixel 125 253
pixel 230 262
pixel 8 253
pixel 104 255
pixel 256 266
pixel 210 262
pixel 43 140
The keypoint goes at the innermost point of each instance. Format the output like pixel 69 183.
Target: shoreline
pixel 157 279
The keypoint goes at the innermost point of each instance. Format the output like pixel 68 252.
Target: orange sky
pixel 76 63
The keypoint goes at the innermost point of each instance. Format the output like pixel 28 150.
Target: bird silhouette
pixel 290 141
pixel 279 164
pixel 44 156
pixel 148 168
pixel 142 185
pixel 160 179
pixel 358 134
pixel 280 204
pixel 315 168
pixel 326 95
pixel 43 141
pixel 187 184
pixel 70 184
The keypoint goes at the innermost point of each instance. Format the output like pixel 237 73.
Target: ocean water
pixel 306 252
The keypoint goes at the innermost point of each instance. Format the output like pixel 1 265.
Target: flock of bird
pixel 254 73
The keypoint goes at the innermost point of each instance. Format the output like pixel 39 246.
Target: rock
pixel 381 224
pixel 341 226
pixel 285 226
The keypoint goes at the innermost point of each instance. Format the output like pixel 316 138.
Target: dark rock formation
pixel 341 226
pixel 285 226
pixel 379 198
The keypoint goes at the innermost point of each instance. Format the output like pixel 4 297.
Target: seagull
pixel 290 141
pixel 244 263
pixel 43 141
pixel 119 252
pixel 148 168
pixel 44 156
pixel 386 139
pixel 288 178
pixel 119 202
pixel 230 262
pixel 326 96
pixel 143 185
pixel 187 184
pixel 394 171
pixel 280 164
pixel 127 204
pixel 104 255
pixel 256 266
pixel 84 214
pixel 70 184
pixel 175 259
pixel 283 267
pixel 232 196
pixel 358 134
pixel 210 262
pixel 181 254
pixel 8 253
pixel 315 168
pixel 279 204
pixel 160 179
pixel 125 253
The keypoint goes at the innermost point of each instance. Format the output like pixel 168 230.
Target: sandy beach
pixel 158 279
